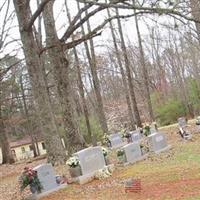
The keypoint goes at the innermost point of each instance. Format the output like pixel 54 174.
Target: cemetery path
pixel 173 175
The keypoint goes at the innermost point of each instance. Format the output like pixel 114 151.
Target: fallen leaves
pixel 170 175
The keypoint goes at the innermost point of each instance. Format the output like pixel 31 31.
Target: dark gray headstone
pixel 157 142
pixel 47 177
pixel 91 159
pixel 182 122
pixel 133 152
pixel 136 135
pixel 116 140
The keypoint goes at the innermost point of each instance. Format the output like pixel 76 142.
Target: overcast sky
pixel 61 25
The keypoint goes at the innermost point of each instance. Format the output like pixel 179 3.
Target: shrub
pixel 95 128
pixel 170 111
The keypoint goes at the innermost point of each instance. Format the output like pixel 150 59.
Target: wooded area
pixel 110 64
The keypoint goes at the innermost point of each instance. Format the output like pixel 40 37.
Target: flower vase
pixel 144 150
pixel 33 189
pixel 107 161
pixel 75 171
pixel 122 159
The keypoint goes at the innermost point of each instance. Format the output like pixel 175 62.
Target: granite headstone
pixel 182 122
pixel 132 152
pixel 47 177
pixel 157 142
pixel 116 140
pixel 91 159
pixel 136 135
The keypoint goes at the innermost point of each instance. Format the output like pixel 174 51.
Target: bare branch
pixel 152 10
pixel 93 33
pixel 73 26
pixel 73 22
pixel 74 43
pixel 4 22
pixel 3 72
pixel 36 14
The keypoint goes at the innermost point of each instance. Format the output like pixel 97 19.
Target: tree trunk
pixel 195 6
pixel 92 62
pixel 29 124
pixel 60 68
pixel 85 109
pixel 7 156
pixel 81 88
pixel 124 80
pixel 144 70
pixel 37 146
pixel 128 73
pixel 55 150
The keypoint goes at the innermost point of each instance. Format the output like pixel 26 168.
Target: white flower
pixel 105 151
pixel 103 173
pixel 73 161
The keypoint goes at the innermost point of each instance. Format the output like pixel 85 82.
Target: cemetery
pixel 129 173
pixel 99 100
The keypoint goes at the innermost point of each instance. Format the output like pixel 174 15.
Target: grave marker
pixel 182 122
pixel 136 135
pixel 116 140
pixel 157 142
pixel 133 152
pixel 47 177
pixel 91 159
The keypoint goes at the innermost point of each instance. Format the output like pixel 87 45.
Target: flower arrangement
pixel 147 130
pixel 73 162
pixel 105 151
pixel 105 138
pixel 29 178
pixel 144 146
pixel 123 132
pixel 103 173
pixel 120 152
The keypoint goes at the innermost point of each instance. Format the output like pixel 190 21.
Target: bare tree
pixel 128 73
pixel 92 62
pixel 144 69
pixel 81 86
pixel 54 146
pixel 124 79
pixel 195 6
pixel 60 67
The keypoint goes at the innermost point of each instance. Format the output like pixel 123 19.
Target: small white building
pixel 22 149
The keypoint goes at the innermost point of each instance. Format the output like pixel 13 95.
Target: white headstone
pixel 46 176
pixel 136 135
pixel 182 122
pixel 157 142
pixel 116 140
pixel 91 159
pixel 133 152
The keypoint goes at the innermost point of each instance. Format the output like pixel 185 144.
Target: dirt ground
pixel 171 175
